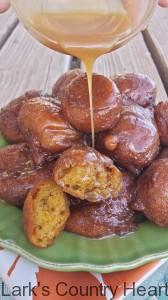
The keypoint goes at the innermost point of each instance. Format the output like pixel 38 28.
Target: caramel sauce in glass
pixel 86 35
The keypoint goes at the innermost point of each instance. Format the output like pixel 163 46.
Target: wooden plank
pixel 156 37
pixel 26 64
pixel 133 57
pixel 8 22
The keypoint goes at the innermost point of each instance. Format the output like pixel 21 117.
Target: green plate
pixel 74 253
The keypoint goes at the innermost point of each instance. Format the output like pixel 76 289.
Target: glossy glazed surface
pixel 152 192
pixel 14 187
pixel 8 117
pixel 134 142
pixel 106 103
pixel 136 89
pixel 14 158
pixel 161 117
pixel 61 84
pixel 44 129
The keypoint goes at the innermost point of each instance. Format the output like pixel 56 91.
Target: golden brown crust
pixel 134 142
pixel 8 118
pixel 136 89
pixel 62 83
pixel 161 117
pixel 45 130
pixel 14 187
pixel 45 213
pixel 152 193
pixel 15 158
pixel 106 103
pixel 101 220
pixel 86 174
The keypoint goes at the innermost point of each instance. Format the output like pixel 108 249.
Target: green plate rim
pixel 84 267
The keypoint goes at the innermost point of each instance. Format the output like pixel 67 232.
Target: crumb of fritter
pixel 86 174
pixel 45 213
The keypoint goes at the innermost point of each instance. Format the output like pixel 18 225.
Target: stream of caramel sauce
pixel 86 35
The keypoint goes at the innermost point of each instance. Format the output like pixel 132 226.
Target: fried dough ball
pixel 152 193
pixel 99 220
pixel 161 117
pixel 86 174
pixel 8 118
pixel 62 83
pixel 136 89
pixel 14 158
pixel 134 142
pixel 45 213
pixel 112 216
pixel 14 187
pixel 106 103
pixel 45 130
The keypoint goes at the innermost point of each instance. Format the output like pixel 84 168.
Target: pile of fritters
pixel 50 169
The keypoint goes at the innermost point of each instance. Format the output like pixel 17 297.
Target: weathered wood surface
pixel 26 64
pixel 8 22
pixel 156 37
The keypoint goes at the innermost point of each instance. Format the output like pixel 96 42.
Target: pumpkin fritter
pixel 15 158
pixel 106 103
pixel 134 142
pixel 15 186
pixel 136 89
pixel 86 174
pixel 45 213
pixel 161 117
pixel 151 195
pixel 113 216
pixel 45 130
pixel 64 80
pixel 8 117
